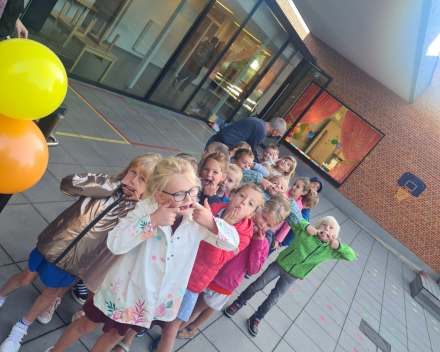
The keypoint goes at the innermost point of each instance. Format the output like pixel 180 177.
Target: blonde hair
pixel 255 188
pixel 236 169
pixel 290 173
pixel 279 206
pixel 243 152
pixel 332 220
pixel 306 182
pixel 310 199
pixel 268 168
pixel 220 158
pixel 189 158
pixel 168 170
pixel 146 162
pixel 241 145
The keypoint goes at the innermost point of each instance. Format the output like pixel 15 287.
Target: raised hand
pixel 210 189
pixel 334 243
pixel 202 215
pixel 276 245
pixel 311 230
pixel 265 183
pixel 164 216
pixel 231 217
pixel 132 195
pixel 259 235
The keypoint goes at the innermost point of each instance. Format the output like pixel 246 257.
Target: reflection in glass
pixel 121 43
pixel 201 52
pixel 330 135
pixel 240 67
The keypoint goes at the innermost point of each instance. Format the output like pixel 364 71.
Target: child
pixel 316 184
pixel 310 248
pixel 242 206
pixel 243 158
pixel 189 158
pixel 213 171
pixel 270 154
pixel 300 188
pixel 71 243
pixel 158 243
pixel 237 146
pixel 231 274
pixel 215 147
pixel 285 167
pixel 309 201
pixel 233 179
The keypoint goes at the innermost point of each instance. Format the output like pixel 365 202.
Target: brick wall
pixel 411 143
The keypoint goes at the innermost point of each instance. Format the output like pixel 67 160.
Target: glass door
pixel 206 45
pixel 240 67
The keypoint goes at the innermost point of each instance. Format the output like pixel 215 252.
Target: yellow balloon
pixel 33 81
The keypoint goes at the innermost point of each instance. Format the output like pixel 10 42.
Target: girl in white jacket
pixel 158 243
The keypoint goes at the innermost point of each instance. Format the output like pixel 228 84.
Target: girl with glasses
pixel 158 243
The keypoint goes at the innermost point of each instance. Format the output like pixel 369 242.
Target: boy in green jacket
pixel 310 247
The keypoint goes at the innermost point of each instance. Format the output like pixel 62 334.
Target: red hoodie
pixel 210 259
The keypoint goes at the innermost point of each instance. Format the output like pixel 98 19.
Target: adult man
pixel 9 12
pixel 201 55
pixel 250 130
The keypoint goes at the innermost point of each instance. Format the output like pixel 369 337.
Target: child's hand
pixel 259 235
pixel 311 230
pixel 276 245
pixel 164 216
pixel 334 243
pixel 202 215
pixel 265 183
pixel 210 190
pixel 231 217
pixel 133 196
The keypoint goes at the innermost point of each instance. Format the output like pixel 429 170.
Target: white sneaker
pixel 2 301
pixel 50 349
pixel 13 342
pixel 47 315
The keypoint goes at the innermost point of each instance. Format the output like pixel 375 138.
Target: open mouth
pixel 206 182
pixel 256 228
pixel 238 208
pixel 185 207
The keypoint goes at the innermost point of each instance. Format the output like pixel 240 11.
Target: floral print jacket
pixel 148 281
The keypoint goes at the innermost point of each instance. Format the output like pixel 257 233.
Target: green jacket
pixel 306 252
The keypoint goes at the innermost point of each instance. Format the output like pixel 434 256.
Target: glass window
pixel 251 103
pixel 330 135
pixel 240 67
pixel 201 51
pixel 120 43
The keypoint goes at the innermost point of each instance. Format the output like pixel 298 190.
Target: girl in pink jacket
pixel 230 276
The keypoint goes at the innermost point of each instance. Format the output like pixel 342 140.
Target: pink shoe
pixel 78 315
pixel 47 315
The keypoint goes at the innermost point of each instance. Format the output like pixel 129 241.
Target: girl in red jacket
pixel 231 275
pixel 243 205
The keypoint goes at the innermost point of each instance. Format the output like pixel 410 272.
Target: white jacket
pixel 149 280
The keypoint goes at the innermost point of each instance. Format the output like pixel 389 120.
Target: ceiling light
pixel 224 7
pixel 247 32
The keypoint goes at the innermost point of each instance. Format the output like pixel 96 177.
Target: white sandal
pixel 123 345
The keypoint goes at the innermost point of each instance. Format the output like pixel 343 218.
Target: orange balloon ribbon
pixel 23 155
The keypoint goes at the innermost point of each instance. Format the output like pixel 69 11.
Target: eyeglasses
pixel 180 196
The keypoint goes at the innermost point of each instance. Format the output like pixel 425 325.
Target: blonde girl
pixel 69 245
pixel 158 243
pixel 285 167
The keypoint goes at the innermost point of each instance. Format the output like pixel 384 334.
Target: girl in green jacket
pixel 310 247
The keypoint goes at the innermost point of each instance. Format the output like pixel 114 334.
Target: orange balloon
pixel 23 155
pixel 296 129
pixel 308 128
